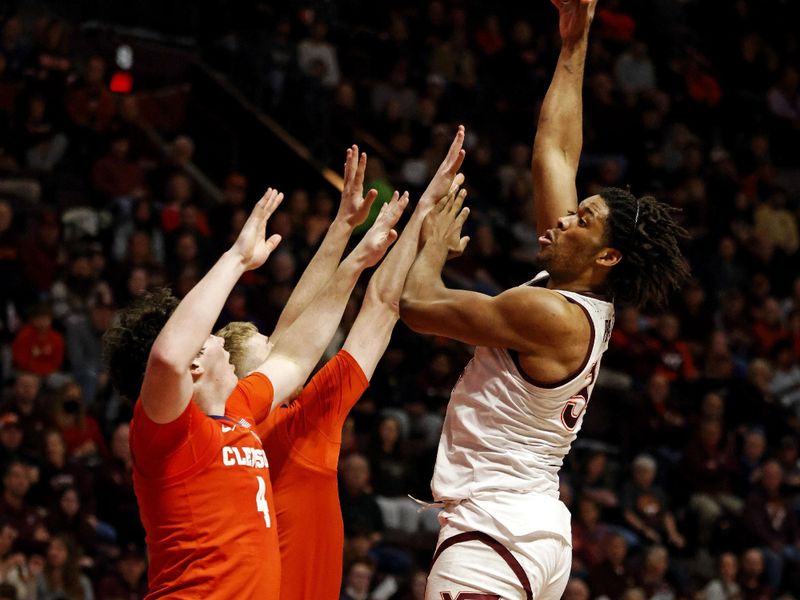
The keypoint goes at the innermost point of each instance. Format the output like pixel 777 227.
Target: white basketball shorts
pixel 470 565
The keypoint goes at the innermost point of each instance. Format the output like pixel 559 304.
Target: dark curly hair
pixel 126 346
pixel 644 230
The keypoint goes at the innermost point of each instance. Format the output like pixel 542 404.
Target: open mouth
pixel 547 239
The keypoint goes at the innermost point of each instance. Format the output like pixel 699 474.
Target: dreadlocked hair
pixel 126 346
pixel 647 235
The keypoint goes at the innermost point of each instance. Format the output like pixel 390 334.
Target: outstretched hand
pixel 381 235
pixel 443 224
pixel 251 246
pixel 447 171
pixel 354 207
pixel 575 17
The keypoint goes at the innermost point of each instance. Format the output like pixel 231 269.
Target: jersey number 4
pixel 261 500
pixel 577 404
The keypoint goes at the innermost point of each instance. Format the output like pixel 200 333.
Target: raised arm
pixel 524 319
pixel 559 134
pixel 300 348
pixel 370 334
pixel 353 209
pixel 167 385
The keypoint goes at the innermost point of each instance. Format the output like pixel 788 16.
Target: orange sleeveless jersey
pixel 303 440
pixel 205 499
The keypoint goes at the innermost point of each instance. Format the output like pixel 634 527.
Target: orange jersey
pixel 303 440
pixel 205 499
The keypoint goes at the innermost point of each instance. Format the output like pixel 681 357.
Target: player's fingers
pixel 458 201
pixel 272 243
pixel 273 203
pixel 361 168
pixel 391 237
pixel 462 244
pixel 350 165
pixel 461 218
pixel 458 180
pixel 455 146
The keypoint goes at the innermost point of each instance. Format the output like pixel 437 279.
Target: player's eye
pixel 581 220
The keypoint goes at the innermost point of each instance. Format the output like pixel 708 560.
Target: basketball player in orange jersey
pixel 520 402
pixel 201 475
pixel 303 438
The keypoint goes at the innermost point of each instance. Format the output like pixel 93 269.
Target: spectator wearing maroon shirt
pixel 768 328
pixel 24 401
pixel 612 576
pixel 57 471
pixel 38 347
pixel 81 432
pixel 709 469
pixel 41 254
pixel 128 581
pixel 771 523
pixel 588 535
pixel 116 176
pixel 675 361
pixel 751 576
pixel 24 518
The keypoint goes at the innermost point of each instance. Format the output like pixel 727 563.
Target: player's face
pixel 215 361
pixel 575 243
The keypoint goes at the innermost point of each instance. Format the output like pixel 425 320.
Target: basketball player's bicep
pixel 518 319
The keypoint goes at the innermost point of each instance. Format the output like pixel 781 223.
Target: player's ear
pixel 196 370
pixel 608 257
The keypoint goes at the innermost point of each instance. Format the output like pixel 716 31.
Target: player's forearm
pixel 386 285
pixel 305 340
pixel 316 275
pixel 184 333
pixel 423 285
pixel 370 334
pixel 560 128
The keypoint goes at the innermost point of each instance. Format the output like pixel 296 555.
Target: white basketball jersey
pixel 505 436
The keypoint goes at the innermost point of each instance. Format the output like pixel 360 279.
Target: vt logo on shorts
pixel 469 596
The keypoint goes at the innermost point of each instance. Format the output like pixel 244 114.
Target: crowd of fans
pixel 686 478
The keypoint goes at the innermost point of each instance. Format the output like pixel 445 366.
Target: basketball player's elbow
pixel 412 313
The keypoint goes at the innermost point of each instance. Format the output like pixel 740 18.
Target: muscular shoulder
pixel 544 316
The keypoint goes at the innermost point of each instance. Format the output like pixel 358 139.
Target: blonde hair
pixel 235 336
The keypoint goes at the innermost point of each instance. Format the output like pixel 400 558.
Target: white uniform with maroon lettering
pixel 504 440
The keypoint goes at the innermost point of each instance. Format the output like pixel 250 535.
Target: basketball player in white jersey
pixel 521 400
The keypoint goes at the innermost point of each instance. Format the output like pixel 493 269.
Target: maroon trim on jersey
pixel 504 553
pixel 515 357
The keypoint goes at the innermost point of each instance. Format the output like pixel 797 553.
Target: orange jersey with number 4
pixel 205 499
pixel 303 440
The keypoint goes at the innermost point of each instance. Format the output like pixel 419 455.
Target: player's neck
pixel 211 396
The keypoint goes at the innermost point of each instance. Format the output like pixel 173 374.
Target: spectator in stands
pixel 675 359
pixel 358 580
pixel 24 402
pixel 709 469
pixel 37 347
pixel 588 536
pixel 57 472
pixel 66 518
pixel 576 590
pixel 317 57
pixel 751 576
pixel 360 510
pixel 24 518
pixel 128 580
pixel 62 576
pixel 724 586
pixel 41 254
pixel 392 474
pixel 646 507
pixel 81 432
pixel 89 103
pixel 612 576
pixel 654 577
pixel 84 335
pixel 771 523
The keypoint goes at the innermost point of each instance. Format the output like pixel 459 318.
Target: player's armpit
pixel 524 319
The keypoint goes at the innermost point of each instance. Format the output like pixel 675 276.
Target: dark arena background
pixel 134 137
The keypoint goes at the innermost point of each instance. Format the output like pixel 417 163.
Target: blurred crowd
pixel 686 479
